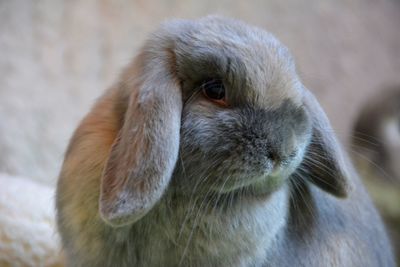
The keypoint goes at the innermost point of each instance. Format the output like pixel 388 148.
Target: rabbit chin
pixel 261 184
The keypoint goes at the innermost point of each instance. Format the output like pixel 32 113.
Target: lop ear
pixel 327 165
pixel 144 154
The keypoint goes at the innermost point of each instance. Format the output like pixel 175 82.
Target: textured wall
pixel 57 56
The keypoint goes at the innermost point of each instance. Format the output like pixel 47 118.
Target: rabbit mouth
pixel 267 182
pixel 257 186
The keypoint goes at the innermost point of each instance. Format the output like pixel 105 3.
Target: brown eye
pixel 214 90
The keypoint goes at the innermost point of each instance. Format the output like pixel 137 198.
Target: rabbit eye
pixel 214 90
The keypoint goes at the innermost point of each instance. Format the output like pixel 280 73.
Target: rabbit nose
pixel 272 156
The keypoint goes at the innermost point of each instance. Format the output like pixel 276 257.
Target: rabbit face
pixel 243 121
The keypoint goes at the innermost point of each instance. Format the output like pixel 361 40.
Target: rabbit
pixel 209 151
pixel 376 132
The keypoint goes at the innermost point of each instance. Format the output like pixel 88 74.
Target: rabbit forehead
pixel 256 66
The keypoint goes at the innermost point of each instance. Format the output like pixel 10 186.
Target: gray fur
pixel 246 185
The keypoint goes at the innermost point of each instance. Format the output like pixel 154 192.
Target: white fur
pixel 27 227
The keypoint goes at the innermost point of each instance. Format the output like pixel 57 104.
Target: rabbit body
pixel 210 152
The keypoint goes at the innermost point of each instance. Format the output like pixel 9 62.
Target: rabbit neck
pixel 183 232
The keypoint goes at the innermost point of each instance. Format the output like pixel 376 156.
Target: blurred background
pixel 58 56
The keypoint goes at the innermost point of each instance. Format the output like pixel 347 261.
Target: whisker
pixel 378 168
pixel 307 205
pixel 195 224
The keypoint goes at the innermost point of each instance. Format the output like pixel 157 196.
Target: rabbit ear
pixel 327 165
pixel 143 155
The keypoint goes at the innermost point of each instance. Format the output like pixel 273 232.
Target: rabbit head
pixel 216 105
